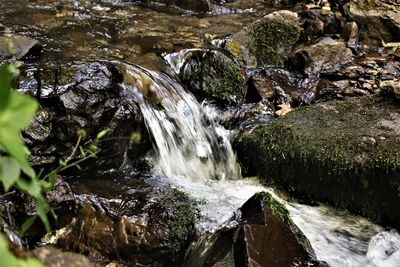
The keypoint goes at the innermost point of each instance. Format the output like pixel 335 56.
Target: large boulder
pixel 210 74
pixel 267 41
pixel 108 216
pixel 343 152
pixel 378 20
pixel 264 235
pixel 134 230
pixel 78 96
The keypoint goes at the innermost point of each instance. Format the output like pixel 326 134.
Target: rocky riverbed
pixel 307 91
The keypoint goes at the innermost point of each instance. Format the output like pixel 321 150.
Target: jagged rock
pixel 350 34
pixel 284 87
pixel 212 74
pixel 267 41
pixel 324 152
pixel 265 236
pixel 78 96
pixel 324 56
pixel 377 19
pixel 24 47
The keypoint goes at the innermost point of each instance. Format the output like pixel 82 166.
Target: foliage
pixel 8 259
pixel 16 112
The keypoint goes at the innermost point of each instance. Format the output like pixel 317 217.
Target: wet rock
pixel 132 230
pixel 265 236
pixel 212 74
pixel 268 41
pixel 284 87
pixel 378 19
pixel 350 34
pixel 200 6
pixel 24 47
pixel 53 257
pixel 323 152
pixel 78 96
pixel 247 115
pixel 392 86
pixel 326 55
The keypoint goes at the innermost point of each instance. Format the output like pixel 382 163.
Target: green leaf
pixel 27 224
pixel 8 259
pixel 102 134
pixel 42 209
pixel 5 88
pixel 9 171
pixel 2 147
pixel 19 112
pixel 13 145
pixel 32 187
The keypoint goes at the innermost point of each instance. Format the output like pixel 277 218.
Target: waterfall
pixel 194 154
pixel 190 143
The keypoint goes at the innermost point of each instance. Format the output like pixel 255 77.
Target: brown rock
pixel 326 55
pixel 52 257
pixel 350 34
pixel 378 20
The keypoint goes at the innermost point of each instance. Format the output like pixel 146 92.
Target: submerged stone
pixel 343 152
pixel 200 6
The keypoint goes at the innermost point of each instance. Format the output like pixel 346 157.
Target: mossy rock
pixel 181 222
pixel 268 41
pixel 213 75
pixel 378 20
pixel 343 152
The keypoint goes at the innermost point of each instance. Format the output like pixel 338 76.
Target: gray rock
pixel 267 41
pixel 284 87
pixel 326 55
pixel 24 47
pixel 378 20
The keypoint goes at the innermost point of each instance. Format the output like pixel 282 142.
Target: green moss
pixel 181 220
pixel 272 39
pixel 337 152
pixel 276 208
pixel 212 74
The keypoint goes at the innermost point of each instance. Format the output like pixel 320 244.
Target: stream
pixel 194 155
pixel 192 151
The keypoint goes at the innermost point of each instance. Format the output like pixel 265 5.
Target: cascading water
pixel 190 144
pixel 194 154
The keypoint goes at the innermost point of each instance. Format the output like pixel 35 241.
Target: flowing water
pixel 194 155
pixel 193 150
